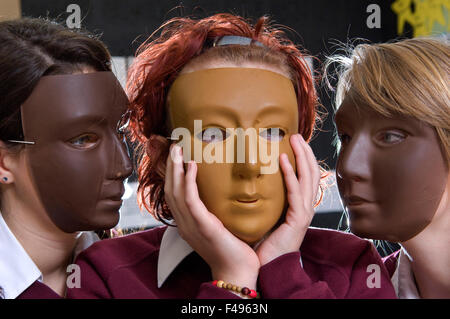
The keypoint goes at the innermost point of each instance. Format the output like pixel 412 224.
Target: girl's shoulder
pixel 333 237
pixel 335 247
pixel 125 249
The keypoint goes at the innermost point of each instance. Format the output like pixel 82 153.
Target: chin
pixel 359 229
pixel 371 233
pixel 107 221
pixel 250 237
pixel 250 240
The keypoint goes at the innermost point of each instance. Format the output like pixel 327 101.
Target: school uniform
pixel 399 267
pixel 158 263
pixel 19 276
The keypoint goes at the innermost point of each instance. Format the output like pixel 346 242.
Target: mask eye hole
pixel 85 141
pixel 390 137
pixel 343 138
pixel 213 135
pixel 273 134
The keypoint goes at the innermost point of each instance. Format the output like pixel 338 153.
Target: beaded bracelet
pixel 244 291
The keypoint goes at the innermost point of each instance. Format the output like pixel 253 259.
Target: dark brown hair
pixel 32 48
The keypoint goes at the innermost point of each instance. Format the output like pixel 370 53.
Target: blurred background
pixel 320 26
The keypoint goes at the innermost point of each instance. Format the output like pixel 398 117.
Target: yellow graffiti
pixel 428 18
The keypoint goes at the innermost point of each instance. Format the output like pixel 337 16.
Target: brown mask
pixel 246 198
pixel 79 160
pixel 391 172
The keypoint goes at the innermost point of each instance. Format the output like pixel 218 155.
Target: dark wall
pixel 318 25
pixel 316 22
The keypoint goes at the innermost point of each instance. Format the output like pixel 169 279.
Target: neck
pixel 50 248
pixel 430 255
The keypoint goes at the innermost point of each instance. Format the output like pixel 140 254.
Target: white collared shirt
pixel 403 278
pixel 17 269
pixel 172 251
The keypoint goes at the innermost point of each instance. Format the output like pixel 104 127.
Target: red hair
pixel 159 62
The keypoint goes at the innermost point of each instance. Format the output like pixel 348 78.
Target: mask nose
pixel 354 160
pixel 122 166
pixel 249 166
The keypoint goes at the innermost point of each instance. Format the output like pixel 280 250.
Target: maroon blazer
pixel 334 266
pixel 38 290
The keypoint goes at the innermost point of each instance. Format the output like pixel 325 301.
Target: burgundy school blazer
pixel 39 290
pixel 335 265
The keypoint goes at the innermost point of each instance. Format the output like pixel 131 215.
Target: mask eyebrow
pixel 92 119
pixel 216 108
pixel 225 111
pixel 274 109
pixel 88 120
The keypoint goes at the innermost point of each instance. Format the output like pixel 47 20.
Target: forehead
pixel 63 99
pixel 246 91
pixel 358 113
pixel 349 109
pixel 362 117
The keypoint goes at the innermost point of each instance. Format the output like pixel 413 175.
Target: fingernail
pixel 180 153
pixel 176 154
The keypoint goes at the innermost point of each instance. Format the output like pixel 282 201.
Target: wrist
pixel 265 259
pixel 243 292
pixel 239 278
pixel 249 282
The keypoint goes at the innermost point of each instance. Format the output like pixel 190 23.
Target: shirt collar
pixel 403 278
pixel 172 251
pixel 17 269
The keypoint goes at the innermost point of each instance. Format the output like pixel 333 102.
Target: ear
pixel 7 158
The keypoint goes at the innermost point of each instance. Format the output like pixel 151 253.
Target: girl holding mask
pixel 62 159
pixel 393 167
pixel 240 229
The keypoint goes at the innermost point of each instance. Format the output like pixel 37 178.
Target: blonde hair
pixel 408 77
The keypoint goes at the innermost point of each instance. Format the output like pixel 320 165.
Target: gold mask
pixel 249 196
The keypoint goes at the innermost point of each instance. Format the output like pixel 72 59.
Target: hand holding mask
pixel 233 205
pixel 230 258
pixel 301 194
